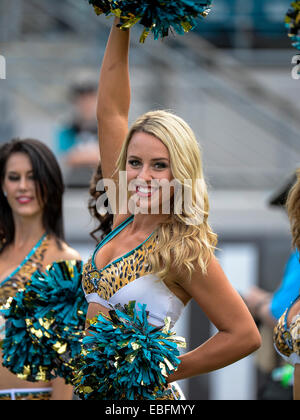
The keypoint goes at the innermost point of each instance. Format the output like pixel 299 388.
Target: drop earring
pixel 5 194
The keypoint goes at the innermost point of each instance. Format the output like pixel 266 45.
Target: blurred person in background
pixel 76 141
pixel 287 330
pixel 31 238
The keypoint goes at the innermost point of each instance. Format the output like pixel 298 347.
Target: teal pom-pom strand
pixel 157 16
pixel 292 23
pixel 125 358
pixel 20 353
pixel 45 323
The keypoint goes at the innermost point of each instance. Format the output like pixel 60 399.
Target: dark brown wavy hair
pixel 49 188
pixel 106 221
pixel 293 208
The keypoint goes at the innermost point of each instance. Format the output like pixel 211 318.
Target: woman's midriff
pixel 94 310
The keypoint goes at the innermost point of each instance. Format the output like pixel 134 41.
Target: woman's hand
pixel 258 302
pixel 255 299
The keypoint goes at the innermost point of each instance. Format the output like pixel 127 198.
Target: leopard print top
pixel 287 338
pixel 10 286
pixel 119 273
pixel 282 337
pixel 131 278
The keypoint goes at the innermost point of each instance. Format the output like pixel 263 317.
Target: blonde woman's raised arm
pixel 113 99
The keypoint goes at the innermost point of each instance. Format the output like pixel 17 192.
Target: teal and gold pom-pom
pixel 157 16
pixel 125 358
pixel 45 324
pixel 292 23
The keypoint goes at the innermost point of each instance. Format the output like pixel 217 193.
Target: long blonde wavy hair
pixel 180 243
pixel 293 208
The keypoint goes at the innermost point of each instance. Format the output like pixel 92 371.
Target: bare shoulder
pixel 63 253
pixel 213 269
pixel 175 282
pixel 198 282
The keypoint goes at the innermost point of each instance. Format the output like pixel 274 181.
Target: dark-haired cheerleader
pixel 31 238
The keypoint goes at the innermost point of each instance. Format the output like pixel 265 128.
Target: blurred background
pixel 230 79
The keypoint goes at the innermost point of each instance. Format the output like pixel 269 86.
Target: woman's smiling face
pixel 19 186
pixel 148 167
